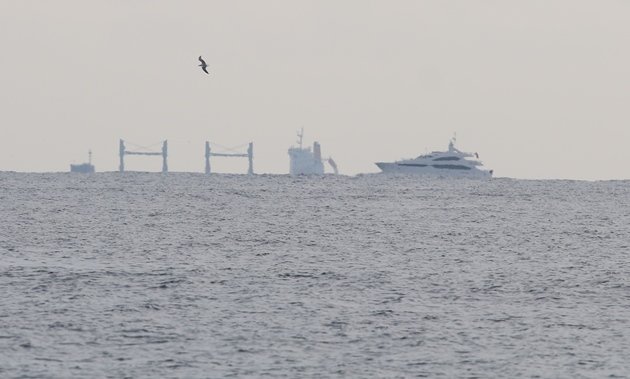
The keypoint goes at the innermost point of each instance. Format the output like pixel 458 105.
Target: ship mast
pixel 300 135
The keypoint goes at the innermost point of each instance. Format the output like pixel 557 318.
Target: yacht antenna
pixel 90 156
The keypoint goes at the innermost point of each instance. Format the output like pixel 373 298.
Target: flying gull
pixel 203 65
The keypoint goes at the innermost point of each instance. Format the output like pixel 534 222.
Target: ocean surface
pixel 145 275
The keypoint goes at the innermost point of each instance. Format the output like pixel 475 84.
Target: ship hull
pixel 84 168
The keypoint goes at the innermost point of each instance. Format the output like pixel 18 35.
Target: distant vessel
pixel 83 168
pixel 440 163
pixel 303 161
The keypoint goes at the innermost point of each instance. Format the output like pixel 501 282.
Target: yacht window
pixel 412 164
pixel 447 159
pixel 451 167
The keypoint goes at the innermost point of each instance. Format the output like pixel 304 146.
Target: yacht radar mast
pixel 451 144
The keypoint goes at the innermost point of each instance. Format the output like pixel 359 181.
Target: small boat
pixel 84 168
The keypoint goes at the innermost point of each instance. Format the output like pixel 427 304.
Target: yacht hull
pixel 396 168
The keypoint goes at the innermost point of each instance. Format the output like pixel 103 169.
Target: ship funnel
pixel 317 152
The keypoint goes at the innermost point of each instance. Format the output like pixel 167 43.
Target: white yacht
pixel 452 162
pixel 303 161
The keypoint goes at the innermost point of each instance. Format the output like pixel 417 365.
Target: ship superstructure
pixel 304 161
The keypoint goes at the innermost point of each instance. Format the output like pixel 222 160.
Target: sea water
pixel 186 275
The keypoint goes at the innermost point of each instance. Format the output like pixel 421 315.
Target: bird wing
pixel 204 69
pixel 202 61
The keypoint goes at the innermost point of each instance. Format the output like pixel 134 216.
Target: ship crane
pixel 249 155
pixel 332 164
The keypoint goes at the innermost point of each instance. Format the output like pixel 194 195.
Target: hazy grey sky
pixel 540 88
